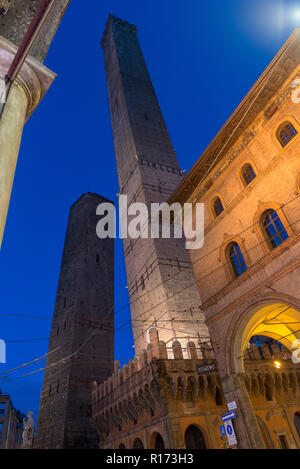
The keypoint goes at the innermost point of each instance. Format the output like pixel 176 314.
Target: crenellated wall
pixel 159 395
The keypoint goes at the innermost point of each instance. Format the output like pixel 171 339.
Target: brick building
pixel 11 424
pixel 248 270
pixel 176 389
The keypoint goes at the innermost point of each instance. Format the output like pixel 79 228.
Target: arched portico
pixel 274 318
pixel 278 320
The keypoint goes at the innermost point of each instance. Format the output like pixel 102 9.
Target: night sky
pixel 203 58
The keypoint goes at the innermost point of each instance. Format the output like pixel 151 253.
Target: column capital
pixel 34 77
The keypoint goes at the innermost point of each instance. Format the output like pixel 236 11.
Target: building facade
pixel 11 424
pixel 81 346
pixel 173 394
pixel 248 270
pixel 158 402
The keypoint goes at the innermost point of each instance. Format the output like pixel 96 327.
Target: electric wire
pixel 129 321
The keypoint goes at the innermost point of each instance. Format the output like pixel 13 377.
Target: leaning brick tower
pixel 161 283
pixel 81 346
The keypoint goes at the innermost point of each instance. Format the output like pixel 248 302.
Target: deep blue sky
pixel 203 58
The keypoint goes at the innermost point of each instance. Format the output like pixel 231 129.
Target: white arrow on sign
pixel 229 416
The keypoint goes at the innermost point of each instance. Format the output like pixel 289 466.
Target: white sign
pixel 232 441
pixel 232 405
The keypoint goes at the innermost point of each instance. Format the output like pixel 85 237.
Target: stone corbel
pixel 34 78
pixel 203 385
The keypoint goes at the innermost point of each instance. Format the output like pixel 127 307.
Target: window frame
pixel 212 206
pixel 247 164
pixel 281 127
pixel 277 127
pixel 223 256
pixel 232 265
pixel 263 242
pixel 266 232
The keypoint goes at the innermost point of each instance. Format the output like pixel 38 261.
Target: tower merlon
pixel 114 20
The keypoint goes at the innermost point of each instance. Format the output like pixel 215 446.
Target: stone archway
pixel 276 320
pixel 265 433
pixel 194 438
pixel 272 319
pixel 156 441
pixel 137 444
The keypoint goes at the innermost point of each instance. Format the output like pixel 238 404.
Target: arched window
pixel 218 206
pixel 265 433
pixel 159 442
pixel 297 422
pixel 285 133
pixel 273 228
pixel 248 174
pixel 138 444
pixel 194 438
pixel 236 259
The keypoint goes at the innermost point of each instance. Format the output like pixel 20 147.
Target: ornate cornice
pixel 113 20
pixel 34 78
pixel 258 98
pixel 207 305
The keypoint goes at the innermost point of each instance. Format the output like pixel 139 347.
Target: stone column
pixel 26 93
pixel 245 424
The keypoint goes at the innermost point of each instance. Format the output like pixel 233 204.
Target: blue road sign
pixel 229 416
pixel 229 429
pixel 223 430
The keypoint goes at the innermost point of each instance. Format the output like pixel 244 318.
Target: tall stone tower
pixel 28 89
pixel 82 333
pixel 148 172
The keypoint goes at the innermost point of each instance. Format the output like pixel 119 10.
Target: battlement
pixel 154 383
pixel 114 20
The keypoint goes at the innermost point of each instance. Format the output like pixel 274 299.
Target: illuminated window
pixel 236 259
pixel 274 229
pixel 248 174
pixel 218 206
pixel 286 133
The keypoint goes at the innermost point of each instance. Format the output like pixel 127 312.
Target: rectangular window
pixel 2 411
